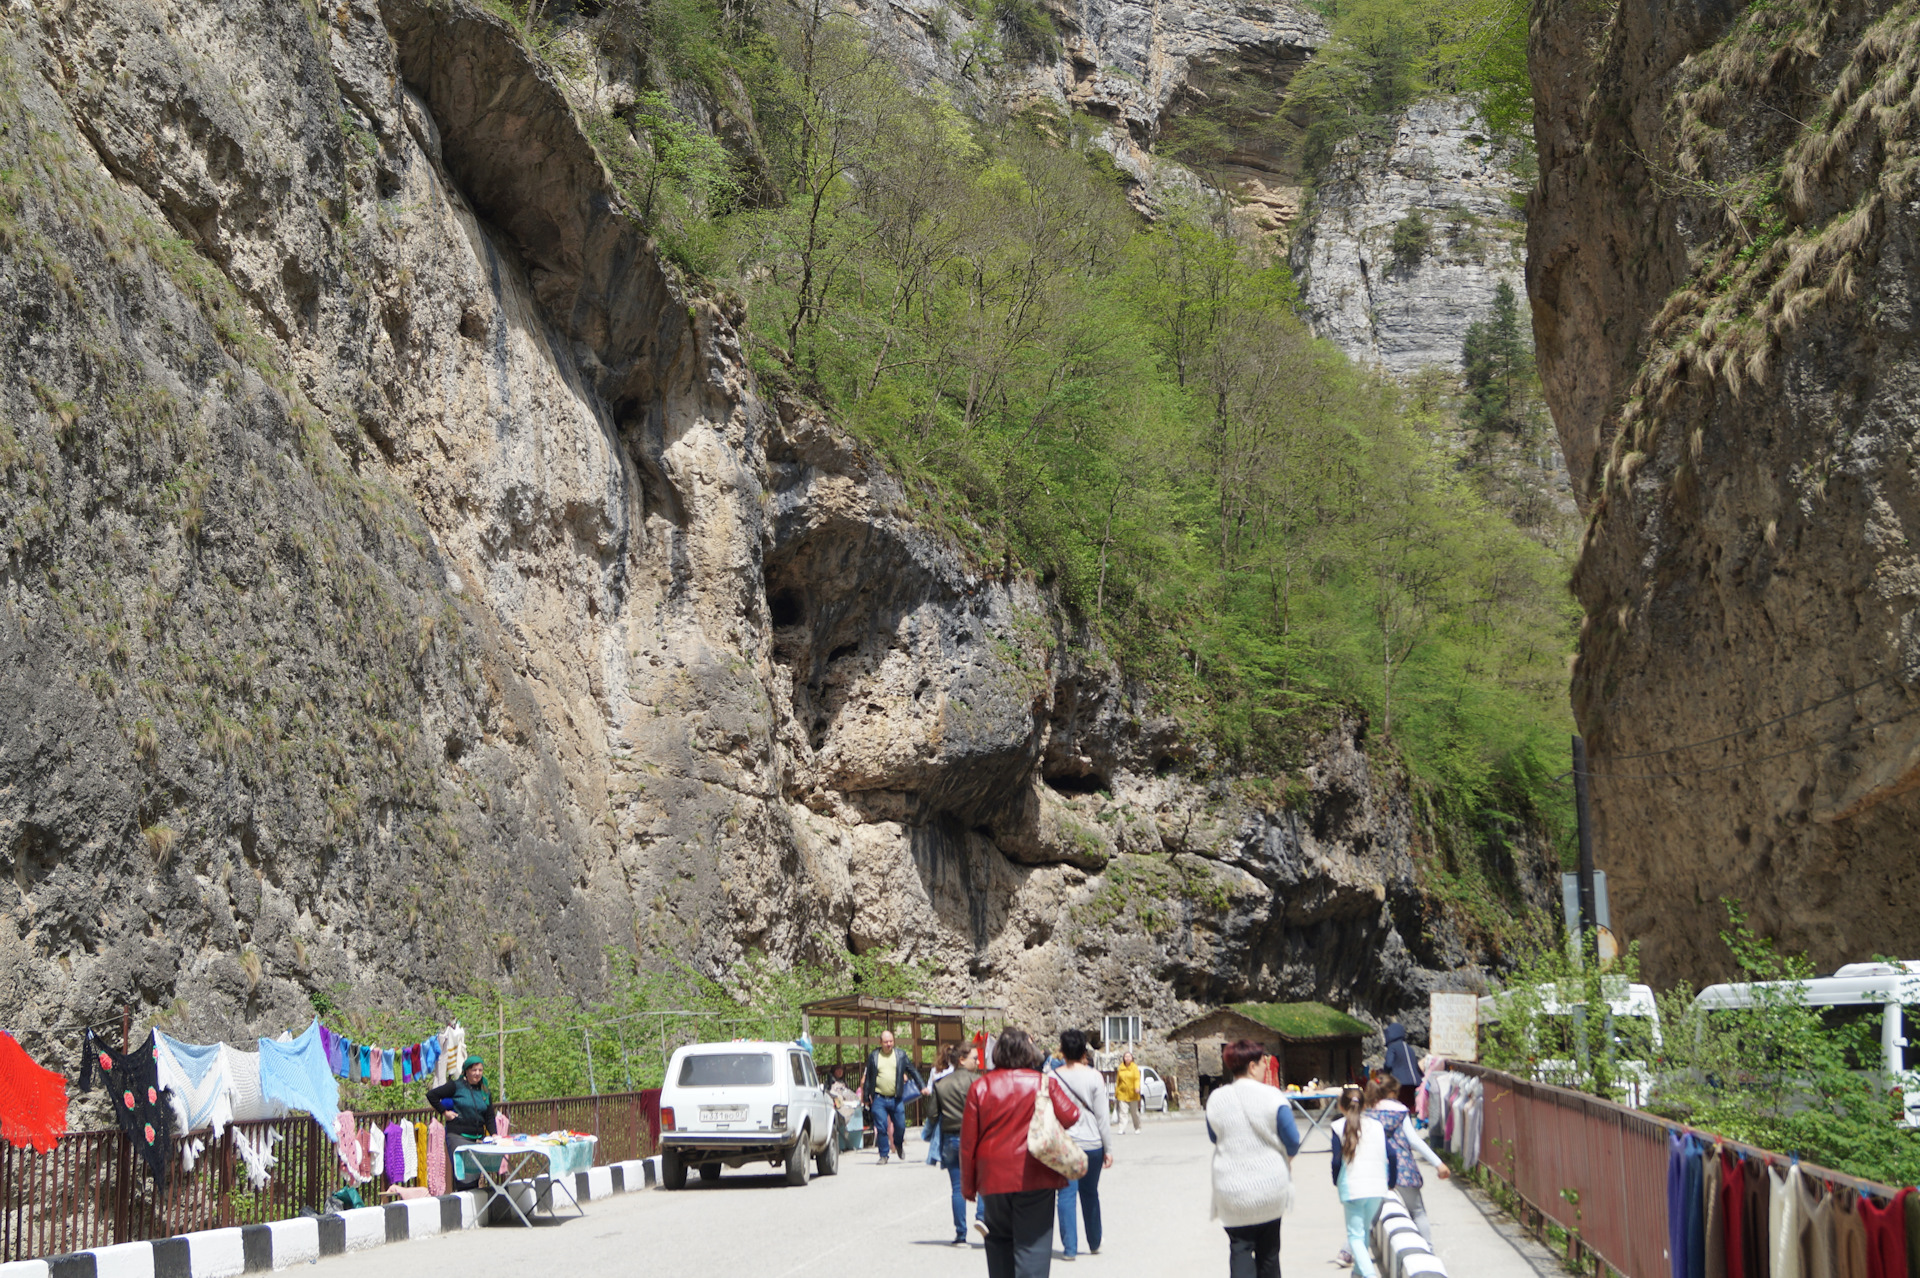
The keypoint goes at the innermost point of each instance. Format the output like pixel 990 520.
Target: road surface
pixel 897 1219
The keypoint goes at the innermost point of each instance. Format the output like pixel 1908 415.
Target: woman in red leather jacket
pixel 994 1161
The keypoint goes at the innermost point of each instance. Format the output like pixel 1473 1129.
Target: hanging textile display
pixel 1886 1236
pixel 353 1162
pixel 394 1157
pixel 295 1074
pixel 198 1081
pixel 132 1083
pixel 1815 1216
pixel 436 1158
pixel 33 1099
pixel 257 1153
pixel 250 1104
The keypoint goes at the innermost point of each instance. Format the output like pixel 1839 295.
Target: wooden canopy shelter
pixel 843 1030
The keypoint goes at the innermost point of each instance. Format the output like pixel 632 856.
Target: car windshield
pixel 727 1069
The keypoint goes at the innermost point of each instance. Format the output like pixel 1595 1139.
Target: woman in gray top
pixel 1088 1089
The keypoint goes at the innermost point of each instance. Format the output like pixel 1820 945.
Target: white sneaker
pixel 981 1225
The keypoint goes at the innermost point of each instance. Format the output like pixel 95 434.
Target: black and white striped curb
pixel 251 1249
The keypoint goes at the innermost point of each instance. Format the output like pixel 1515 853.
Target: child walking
pixel 1360 1170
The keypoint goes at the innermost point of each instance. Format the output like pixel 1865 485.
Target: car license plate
pixel 722 1113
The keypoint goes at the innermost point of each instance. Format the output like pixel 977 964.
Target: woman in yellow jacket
pixel 1126 1090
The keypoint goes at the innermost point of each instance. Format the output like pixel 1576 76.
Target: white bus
pixel 1635 1030
pixel 1857 994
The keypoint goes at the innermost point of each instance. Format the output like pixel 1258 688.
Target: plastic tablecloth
pixel 562 1160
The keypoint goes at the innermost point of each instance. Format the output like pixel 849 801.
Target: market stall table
pixel 1318 1118
pixel 500 1162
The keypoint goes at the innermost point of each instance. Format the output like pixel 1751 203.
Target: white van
pixel 730 1104
pixel 1636 1035
pixel 1858 992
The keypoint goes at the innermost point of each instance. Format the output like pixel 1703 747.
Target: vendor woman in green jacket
pixel 469 1110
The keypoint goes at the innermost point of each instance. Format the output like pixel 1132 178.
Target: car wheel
pixel 827 1161
pixel 673 1169
pixel 797 1160
pixel 709 1172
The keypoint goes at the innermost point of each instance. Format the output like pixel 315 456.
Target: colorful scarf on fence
pixel 33 1100
pixel 296 1075
pixel 143 1111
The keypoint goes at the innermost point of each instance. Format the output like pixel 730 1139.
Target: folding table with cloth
pixel 503 1160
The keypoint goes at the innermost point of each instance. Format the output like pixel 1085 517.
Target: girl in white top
pixel 1360 1170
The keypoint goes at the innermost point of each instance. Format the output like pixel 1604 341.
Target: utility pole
pixel 1583 814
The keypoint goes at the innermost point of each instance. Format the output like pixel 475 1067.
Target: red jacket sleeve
pixel 969 1138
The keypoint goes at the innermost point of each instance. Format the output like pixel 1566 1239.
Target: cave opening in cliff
pixel 1075 782
pixel 785 608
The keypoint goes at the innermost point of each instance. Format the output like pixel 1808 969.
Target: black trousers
pixel 454 1141
pixel 1254 1250
pixel 1020 1234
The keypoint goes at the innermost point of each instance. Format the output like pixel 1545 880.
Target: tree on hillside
pixel 1497 359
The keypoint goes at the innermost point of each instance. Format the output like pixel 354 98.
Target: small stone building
pixel 1311 1042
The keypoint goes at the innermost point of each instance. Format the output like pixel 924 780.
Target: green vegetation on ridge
pixel 1133 410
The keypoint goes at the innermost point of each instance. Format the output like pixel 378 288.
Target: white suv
pixel 730 1104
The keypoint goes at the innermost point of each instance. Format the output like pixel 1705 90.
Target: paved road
pixel 896 1219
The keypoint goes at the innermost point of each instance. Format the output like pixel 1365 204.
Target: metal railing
pixel 1596 1169
pixel 92 1190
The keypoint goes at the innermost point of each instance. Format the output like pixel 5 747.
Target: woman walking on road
pixel 1126 1090
pixel 1360 1170
pixel 994 1161
pixel 1397 1121
pixel 1254 1141
pixel 1089 1091
pixel 949 1105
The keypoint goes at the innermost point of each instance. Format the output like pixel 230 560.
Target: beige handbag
pixel 1048 1141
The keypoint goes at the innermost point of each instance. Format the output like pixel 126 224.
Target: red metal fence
pixel 1596 1169
pixel 92 1190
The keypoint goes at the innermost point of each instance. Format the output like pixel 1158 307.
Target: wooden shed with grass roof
pixel 1311 1041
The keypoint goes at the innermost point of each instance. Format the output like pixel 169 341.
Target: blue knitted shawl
pixel 296 1074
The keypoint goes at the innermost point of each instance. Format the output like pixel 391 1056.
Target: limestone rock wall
pixel 1127 69
pixel 1405 312
pixel 1726 317
pixel 405 587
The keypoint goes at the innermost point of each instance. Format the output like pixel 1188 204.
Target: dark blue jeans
pixel 889 1112
pixel 1087 1190
pixel 950 1159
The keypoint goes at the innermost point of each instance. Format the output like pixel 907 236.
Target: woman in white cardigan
pixel 1254 1141
pixel 1360 1170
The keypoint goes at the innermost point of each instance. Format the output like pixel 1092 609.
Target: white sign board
pixel 1455 1032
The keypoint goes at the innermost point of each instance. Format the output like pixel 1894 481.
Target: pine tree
pixel 1497 359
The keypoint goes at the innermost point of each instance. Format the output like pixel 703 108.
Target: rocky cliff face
pixel 1450 183
pixel 1726 317
pixel 406 587
pixel 1129 70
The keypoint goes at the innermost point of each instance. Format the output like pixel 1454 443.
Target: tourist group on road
pixel 1024 1135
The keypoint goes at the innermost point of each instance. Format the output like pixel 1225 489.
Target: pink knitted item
pixel 437 1158
pixel 353 1160
pixel 499 1125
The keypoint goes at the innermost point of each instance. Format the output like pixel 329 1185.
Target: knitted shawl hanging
pixel 197 1079
pixel 141 1109
pixel 33 1100
pixel 243 1069
pixel 296 1075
